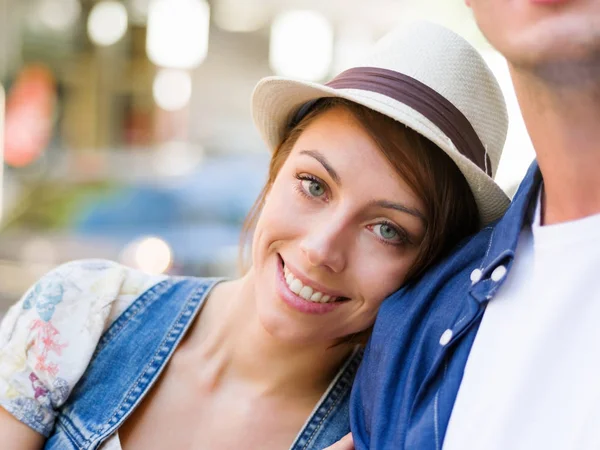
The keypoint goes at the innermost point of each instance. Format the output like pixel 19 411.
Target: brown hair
pixel 450 209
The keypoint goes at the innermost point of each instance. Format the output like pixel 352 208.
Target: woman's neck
pixel 234 346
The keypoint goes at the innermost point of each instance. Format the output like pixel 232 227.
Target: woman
pixel 373 177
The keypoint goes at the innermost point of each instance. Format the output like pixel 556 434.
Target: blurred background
pixel 126 125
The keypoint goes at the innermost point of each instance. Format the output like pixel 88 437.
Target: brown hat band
pixel 420 97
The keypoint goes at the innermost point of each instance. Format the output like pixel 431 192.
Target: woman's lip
pixel 548 2
pixel 296 302
pixel 307 282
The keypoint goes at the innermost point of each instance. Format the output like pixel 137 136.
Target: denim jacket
pixel 133 352
pixel 414 363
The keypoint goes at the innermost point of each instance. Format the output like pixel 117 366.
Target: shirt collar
pixel 505 235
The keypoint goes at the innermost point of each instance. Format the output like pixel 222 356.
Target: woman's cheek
pixel 283 216
pixel 383 274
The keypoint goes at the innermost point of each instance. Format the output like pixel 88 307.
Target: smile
pixel 303 295
pixel 309 291
pixel 306 292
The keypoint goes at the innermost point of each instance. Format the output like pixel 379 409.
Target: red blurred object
pixel 29 111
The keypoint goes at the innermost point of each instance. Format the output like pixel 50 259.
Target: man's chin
pixel 551 44
pixel 569 69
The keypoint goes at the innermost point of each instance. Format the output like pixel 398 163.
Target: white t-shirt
pixel 532 380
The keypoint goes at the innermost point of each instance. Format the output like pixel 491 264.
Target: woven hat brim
pixel 276 100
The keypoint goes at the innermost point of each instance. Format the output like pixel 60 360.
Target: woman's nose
pixel 324 246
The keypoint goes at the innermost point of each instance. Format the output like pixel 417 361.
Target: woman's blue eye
pixel 313 187
pixel 385 231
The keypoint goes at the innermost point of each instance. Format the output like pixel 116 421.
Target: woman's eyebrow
pixel 321 158
pixel 398 207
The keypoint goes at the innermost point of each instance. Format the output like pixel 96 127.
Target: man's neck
pixel 563 121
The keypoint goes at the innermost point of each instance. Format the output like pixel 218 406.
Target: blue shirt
pixel 413 365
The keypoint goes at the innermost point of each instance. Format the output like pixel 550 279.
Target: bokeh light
pixel 149 254
pixel 301 45
pixel 172 89
pixel 107 22
pixel 178 33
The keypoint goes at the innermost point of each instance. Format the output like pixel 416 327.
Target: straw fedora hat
pixel 424 76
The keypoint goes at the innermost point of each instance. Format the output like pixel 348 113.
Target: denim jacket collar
pixel 503 242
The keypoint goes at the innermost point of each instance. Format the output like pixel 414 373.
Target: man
pixel 498 347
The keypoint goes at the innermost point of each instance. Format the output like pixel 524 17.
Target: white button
pixel 476 275
pixel 446 337
pixel 498 273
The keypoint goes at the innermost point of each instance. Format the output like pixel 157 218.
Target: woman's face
pixel 338 233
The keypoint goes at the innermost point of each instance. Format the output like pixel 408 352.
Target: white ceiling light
pixel 172 89
pixel 107 22
pixel 240 16
pixel 301 45
pixel 177 35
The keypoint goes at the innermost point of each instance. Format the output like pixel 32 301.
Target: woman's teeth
pixel 306 292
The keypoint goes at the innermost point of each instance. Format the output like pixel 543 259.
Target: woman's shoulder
pixel 49 336
pixel 89 286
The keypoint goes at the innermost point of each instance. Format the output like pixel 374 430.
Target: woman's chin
pixel 289 331
pixel 289 324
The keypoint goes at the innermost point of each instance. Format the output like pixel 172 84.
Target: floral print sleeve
pixel 48 338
